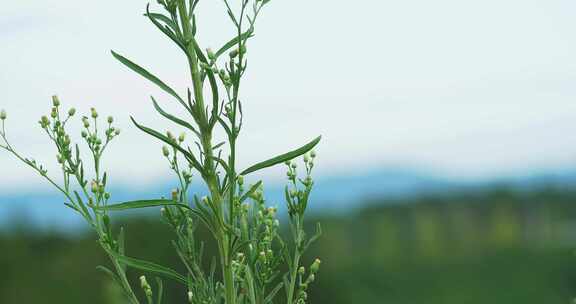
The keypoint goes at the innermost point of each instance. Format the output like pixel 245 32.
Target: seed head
pixel 3 114
pixel 55 101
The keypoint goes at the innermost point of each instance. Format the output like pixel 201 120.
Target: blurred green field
pixel 496 246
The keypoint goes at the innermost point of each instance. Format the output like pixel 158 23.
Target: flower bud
pixel 301 270
pixel 54 113
pixel 190 296
pixel 110 119
pixel 84 134
pixel 165 151
pixel 240 180
pixel 306 158
pixel 94 187
pixel 315 266
pixel 175 194
pixel 55 101
pixel 116 131
pixel 93 113
pixel 86 122
pixel 243 49
pixel 210 53
pixel 234 53
pixel 311 278
pixel 3 114
pixel 71 112
pixel 106 195
pixel 182 137
pixel 313 154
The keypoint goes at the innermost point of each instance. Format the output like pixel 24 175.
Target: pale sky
pixel 466 88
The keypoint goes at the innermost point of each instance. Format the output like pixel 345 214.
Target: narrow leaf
pixel 144 73
pixel 165 139
pixel 151 267
pixel 142 204
pixel 250 191
pixel 230 44
pixel 284 157
pixel 173 118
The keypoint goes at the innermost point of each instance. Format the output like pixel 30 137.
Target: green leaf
pixel 144 73
pixel 151 267
pixel 142 204
pixel 284 157
pixel 189 156
pixel 173 118
pixel 230 44
pixel 250 191
pixel 160 290
pixel 110 273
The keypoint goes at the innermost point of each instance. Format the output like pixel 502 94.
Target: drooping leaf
pixel 151 267
pixel 144 73
pixel 142 204
pixel 189 156
pixel 173 118
pixel 284 157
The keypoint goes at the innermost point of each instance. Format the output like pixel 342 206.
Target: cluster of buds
pixel 225 78
pixel 302 294
pixel 91 137
pixel 146 287
pixel 238 51
pixel 296 198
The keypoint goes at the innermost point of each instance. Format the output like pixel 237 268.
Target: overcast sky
pixel 466 88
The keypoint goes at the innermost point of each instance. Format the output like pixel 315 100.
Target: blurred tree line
pixel 495 246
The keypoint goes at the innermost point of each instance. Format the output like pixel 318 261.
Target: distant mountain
pixel 332 193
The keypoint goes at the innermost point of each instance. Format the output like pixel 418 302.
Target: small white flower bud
pixel 190 296
pixel 315 266
pixel 55 101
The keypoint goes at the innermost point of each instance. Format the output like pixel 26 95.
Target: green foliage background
pixel 497 246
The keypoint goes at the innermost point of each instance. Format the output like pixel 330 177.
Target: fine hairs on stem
pixel 255 263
